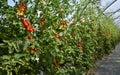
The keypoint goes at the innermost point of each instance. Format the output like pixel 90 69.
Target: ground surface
pixel 111 65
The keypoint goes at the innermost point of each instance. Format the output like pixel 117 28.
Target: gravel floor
pixel 110 66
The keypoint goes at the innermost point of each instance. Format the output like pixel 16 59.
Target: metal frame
pixel 109 5
pixel 115 12
pixel 116 17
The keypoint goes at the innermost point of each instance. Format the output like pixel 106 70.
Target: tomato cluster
pixel 29 28
pixel 27 25
pixel 21 8
pixel 63 23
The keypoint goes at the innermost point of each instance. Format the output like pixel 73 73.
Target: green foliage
pixel 69 37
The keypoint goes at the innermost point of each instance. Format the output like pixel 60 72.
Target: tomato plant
pixel 54 37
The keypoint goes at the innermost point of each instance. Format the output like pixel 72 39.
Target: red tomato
pixel 30 37
pixel 35 49
pixel 27 28
pixel 22 19
pixel 33 28
pixel 25 23
pixel 30 30
pixel 79 45
pixel 21 5
pixel 24 5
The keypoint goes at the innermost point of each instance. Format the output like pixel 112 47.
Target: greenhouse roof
pixel 113 9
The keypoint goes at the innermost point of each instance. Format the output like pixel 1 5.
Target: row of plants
pixel 54 37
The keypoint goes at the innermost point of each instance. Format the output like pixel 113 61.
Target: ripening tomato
pixel 30 37
pixel 81 48
pixel 21 9
pixel 20 12
pixel 56 35
pixel 42 20
pixel 32 52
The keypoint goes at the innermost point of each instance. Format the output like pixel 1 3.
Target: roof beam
pixel 115 12
pixel 116 17
pixel 109 5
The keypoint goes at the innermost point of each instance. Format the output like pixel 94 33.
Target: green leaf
pixel 18 56
pixel 6 57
